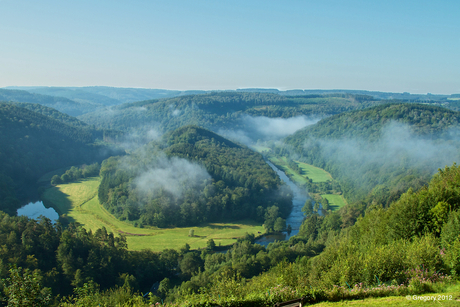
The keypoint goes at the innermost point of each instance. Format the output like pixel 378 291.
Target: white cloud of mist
pixel 277 127
pixel 397 146
pixel 239 136
pixel 140 136
pixel 174 111
pixel 266 128
pixel 174 175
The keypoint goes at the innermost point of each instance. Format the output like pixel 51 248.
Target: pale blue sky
pixel 398 46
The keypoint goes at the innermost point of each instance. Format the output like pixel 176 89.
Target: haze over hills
pixel 386 147
pixel 187 160
pixel 225 112
pixel 81 100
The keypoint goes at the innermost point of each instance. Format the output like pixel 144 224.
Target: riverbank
pixel 318 182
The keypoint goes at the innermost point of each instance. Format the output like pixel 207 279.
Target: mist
pixel 396 152
pixel 140 136
pixel 173 175
pixel 261 128
pixel 396 145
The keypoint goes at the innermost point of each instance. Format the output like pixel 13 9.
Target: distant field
pixel 281 163
pixel 335 201
pixel 314 173
pixel 78 202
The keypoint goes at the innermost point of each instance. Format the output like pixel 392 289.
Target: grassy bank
pixel 78 202
pixel 309 172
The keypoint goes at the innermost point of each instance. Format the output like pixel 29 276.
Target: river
pixel 295 218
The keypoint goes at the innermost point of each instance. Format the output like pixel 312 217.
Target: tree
pixel 325 204
pixel 190 264
pixel 23 288
pixel 164 287
pixel 185 248
pixel 56 179
pixel 271 214
pixel 211 245
pixel 307 208
pixel 280 224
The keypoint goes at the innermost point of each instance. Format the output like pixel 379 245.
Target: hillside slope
pixel 33 144
pixel 61 104
pixel 221 110
pixel 191 176
pixel 387 147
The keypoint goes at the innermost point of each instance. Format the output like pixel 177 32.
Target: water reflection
pixel 34 210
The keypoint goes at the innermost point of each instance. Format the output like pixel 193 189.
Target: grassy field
pixel 314 173
pixel 450 297
pixel 281 163
pixel 78 202
pixel 335 201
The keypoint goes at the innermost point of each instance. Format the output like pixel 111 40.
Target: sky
pixel 391 46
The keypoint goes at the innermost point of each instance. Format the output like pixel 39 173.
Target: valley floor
pixel 315 174
pixel 78 202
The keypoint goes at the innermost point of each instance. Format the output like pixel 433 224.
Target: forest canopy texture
pixel 191 176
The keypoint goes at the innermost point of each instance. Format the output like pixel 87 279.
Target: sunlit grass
pixel 78 202
pixel 449 297
pixel 281 163
pixel 335 201
pixel 314 173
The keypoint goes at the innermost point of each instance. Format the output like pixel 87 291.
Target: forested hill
pixel 384 149
pixel 61 104
pixel 425 120
pixel 222 109
pixel 192 176
pixel 33 144
pixel 53 113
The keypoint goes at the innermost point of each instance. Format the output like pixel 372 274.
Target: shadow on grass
pixel 60 201
pixel 223 226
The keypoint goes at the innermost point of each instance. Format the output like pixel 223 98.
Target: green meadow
pixel 281 163
pixel 335 201
pixel 316 174
pixel 78 202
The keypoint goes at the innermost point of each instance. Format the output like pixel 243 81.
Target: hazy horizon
pixel 25 87
pixel 387 46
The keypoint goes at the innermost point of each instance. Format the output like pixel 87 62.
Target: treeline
pixel 213 179
pixel 76 173
pixel 62 259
